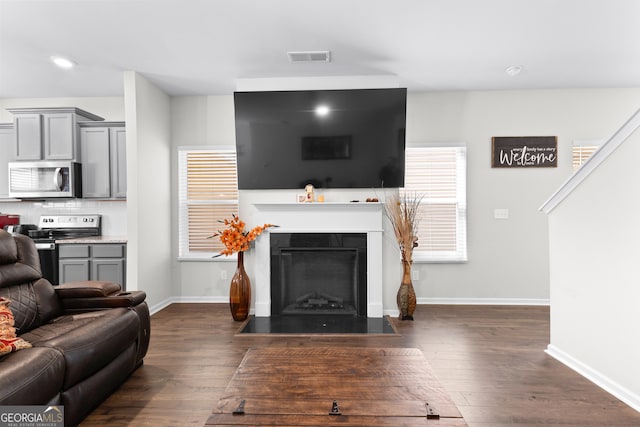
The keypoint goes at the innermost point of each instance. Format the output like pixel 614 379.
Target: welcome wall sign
pixel 524 152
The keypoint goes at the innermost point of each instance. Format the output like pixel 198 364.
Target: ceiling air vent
pixel 310 56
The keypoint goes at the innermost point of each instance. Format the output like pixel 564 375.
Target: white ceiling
pixel 200 47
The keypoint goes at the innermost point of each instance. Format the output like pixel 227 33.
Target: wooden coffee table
pixel 323 386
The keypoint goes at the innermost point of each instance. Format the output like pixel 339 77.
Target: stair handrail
pixel 592 163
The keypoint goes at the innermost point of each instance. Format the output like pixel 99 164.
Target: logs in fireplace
pixel 319 303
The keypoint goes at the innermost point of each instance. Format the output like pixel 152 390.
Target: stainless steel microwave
pixel 45 180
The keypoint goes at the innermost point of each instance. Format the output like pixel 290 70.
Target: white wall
pixel 595 275
pixel 200 121
pixel 508 259
pixel 149 261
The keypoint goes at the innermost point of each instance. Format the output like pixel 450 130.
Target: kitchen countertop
pixel 94 239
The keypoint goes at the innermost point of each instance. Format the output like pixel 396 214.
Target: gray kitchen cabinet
pixel 28 136
pixel 118 139
pixel 7 154
pixel 48 133
pixel 104 161
pixel 73 270
pixel 99 261
pixel 59 136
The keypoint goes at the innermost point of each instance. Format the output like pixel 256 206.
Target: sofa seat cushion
pixel 88 341
pixel 31 376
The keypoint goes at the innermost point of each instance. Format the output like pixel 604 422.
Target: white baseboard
pixel 627 396
pixel 472 301
pixel 391 312
pixel 186 300
pixel 484 301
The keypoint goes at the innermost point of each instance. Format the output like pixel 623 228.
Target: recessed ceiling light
pixel 63 62
pixel 514 70
pixel 322 110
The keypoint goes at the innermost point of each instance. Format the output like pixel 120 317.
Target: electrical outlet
pixel 415 275
pixel 223 275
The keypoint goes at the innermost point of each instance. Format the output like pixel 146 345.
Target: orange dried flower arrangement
pixel 235 238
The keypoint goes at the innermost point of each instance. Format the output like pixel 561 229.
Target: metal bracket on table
pixel 432 414
pixel 335 409
pixel 240 409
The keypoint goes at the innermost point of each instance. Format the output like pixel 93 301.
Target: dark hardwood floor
pixel 490 359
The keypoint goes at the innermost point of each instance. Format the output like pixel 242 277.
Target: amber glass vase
pixel 240 291
pixel 406 296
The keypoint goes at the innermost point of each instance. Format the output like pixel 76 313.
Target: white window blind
pixel 208 192
pixel 439 175
pixel 582 150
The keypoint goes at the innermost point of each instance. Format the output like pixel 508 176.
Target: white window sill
pixel 422 259
pixel 208 258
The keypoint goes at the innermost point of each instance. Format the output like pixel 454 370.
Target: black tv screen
pixel 328 138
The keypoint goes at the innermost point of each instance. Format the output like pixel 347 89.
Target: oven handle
pixel 45 246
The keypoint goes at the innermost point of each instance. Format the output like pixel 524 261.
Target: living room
pixel 508 258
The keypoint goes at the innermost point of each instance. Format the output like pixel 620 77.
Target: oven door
pixel 48 253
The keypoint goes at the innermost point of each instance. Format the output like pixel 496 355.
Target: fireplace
pixel 308 235
pixel 319 273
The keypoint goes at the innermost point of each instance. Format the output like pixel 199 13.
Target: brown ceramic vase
pixel 240 291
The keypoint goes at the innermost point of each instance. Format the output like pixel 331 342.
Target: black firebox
pixel 318 274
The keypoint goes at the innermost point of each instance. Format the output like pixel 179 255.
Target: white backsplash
pixel 114 213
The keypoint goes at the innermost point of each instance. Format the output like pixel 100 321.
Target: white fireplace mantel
pixel 356 217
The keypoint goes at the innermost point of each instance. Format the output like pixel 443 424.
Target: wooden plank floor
pixel 287 386
pixel 490 359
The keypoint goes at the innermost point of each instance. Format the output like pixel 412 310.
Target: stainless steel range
pixel 55 228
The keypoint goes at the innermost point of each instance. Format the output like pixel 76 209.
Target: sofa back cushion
pixel 16 260
pixel 34 301
pixel 9 342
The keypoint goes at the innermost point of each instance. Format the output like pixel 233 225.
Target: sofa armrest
pixel 96 295
pixel 87 289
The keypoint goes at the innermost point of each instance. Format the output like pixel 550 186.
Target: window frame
pixel 184 254
pixel 578 144
pixel 460 255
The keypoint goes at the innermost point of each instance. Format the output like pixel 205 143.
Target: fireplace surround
pixel 322 220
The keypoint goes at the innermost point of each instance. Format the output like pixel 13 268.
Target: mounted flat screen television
pixel 328 138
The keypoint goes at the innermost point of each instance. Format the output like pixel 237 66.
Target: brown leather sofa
pixel 87 337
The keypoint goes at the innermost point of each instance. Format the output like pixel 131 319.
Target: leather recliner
pixel 87 337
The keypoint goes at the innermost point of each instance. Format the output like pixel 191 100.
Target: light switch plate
pixel 501 213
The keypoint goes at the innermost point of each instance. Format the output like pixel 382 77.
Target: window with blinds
pixel 438 174
pixel 581 151
pixel 208 193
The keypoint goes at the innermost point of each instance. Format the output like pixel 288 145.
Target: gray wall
pixel 508 259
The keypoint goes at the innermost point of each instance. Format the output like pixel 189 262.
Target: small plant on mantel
pixel 402 212
pixel 237 240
